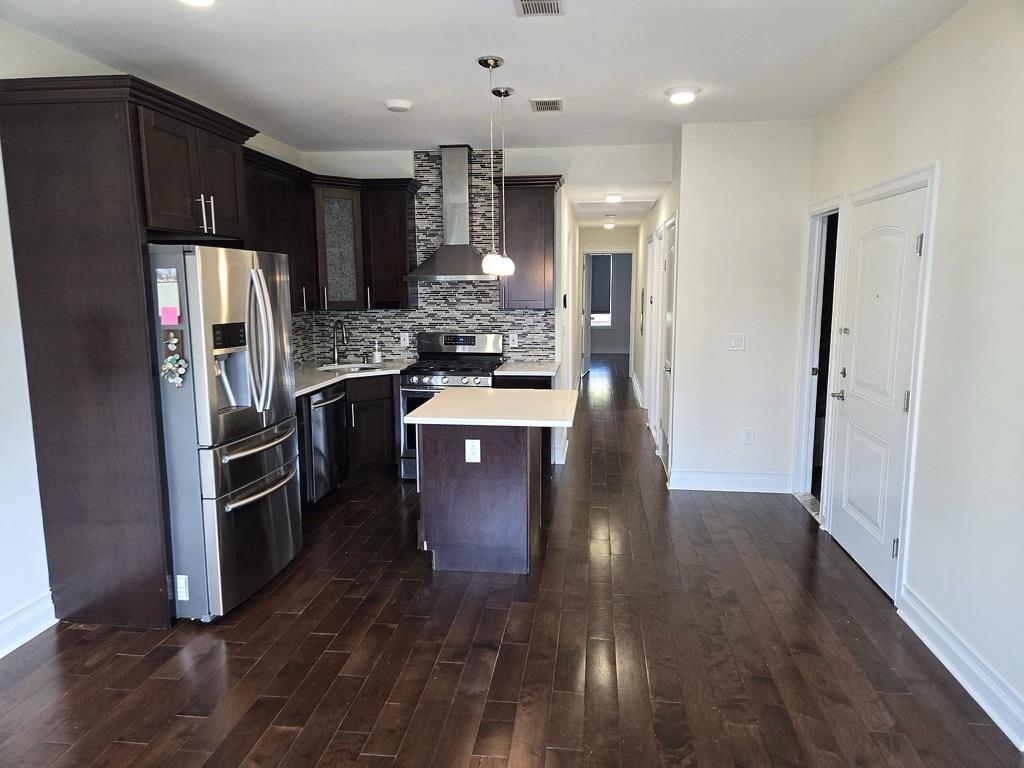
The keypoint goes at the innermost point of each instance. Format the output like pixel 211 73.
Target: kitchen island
pixel 479 474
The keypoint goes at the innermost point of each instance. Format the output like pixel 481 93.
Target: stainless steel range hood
pixel 456 259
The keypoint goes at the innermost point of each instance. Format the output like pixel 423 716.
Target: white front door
pixel 873 364
pixel 667 343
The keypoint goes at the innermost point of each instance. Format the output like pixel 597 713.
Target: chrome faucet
pixel 344 338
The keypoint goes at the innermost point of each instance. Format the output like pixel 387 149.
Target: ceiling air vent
pixel 546 105
pixel 540 7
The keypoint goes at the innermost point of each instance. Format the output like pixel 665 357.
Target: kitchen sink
pixel 349 367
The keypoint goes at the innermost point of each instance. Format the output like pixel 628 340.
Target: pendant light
pixel 492 263
pixel 507 267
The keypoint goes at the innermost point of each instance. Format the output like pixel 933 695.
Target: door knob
pixel 840 395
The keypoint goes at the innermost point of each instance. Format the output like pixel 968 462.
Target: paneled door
pixel 667 344
pixel 871 383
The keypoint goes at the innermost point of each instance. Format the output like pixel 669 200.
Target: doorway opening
pixel 821 369
pixel 611 281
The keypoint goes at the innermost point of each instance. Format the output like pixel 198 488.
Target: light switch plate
pixel 748 436
pixel 737 342
pixel 472 451
pixel 403 339
pixel 513 340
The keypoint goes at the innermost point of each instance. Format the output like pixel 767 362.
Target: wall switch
pixel 181 587
pixel 748 436
pixel 472 451
pixel 403 338
pixel 737 342
pixel 513 340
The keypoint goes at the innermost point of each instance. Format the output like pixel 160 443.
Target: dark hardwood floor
pixel 660 628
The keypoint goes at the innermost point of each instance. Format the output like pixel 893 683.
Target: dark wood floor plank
pixel 656 627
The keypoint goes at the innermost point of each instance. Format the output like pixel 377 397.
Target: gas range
pixel 454 360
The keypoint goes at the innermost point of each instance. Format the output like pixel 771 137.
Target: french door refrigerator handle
pixel 270 362
pixel 250 337
pixel 233 505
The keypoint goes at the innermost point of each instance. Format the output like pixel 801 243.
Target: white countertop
pixel 309 380
pixel 527 368
pixel 498 407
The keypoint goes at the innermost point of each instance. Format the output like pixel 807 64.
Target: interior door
pixel 877 328
pixel 667 343
pixel 585 317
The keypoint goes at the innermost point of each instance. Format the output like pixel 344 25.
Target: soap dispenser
pixel 377 357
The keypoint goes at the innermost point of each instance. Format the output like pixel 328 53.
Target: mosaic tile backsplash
pixel 467 306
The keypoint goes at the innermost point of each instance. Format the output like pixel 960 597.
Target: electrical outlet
pixel 472 451
pixel 748 436
pixel 403 338
pixel 737 342
pixel 513 340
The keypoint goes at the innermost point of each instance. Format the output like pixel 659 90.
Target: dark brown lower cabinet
pixel 371 430
pixel 531 382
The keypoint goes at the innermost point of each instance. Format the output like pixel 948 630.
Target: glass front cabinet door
pixel 339 239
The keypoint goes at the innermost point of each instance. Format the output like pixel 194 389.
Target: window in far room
pixel 601 290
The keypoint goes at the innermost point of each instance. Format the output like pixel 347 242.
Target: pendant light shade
pixel 493 263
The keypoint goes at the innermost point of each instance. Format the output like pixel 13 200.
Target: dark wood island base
pixel 480 516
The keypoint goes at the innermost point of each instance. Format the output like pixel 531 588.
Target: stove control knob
pixel 444 379
pixel 465 379
pixel 414 379
pixel 476 379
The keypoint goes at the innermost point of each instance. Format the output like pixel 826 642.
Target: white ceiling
pixel 314 73
pixel 591 208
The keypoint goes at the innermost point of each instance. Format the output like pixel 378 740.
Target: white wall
pixel 567 351
pixel 742 220
pixel 955 98
pixel 396 164
pixel 595 165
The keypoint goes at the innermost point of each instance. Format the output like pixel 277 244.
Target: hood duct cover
pixel 456 259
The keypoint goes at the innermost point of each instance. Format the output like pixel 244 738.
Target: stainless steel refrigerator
pixel 222 324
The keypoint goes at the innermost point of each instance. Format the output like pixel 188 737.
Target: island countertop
pixel 484 406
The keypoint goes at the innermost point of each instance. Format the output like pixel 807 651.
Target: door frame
pixel 927 178
pixel 672 222
pixel 652 349
pixel 810 338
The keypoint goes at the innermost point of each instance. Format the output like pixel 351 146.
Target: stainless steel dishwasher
pixel 323 420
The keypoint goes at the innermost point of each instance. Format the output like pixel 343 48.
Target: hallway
pixel 660 629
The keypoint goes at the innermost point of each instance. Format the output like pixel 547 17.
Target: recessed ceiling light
pixel 198 3
pixel 613 198
pixel 398 105
pixel 609 225
pixel 684 94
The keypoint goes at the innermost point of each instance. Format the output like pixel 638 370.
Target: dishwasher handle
pixel 324 403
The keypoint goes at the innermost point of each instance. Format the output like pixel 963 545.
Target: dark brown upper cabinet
pixel 530 241
pixel 193 178
pixel 280 218
pixel 389 241
pixel 339 245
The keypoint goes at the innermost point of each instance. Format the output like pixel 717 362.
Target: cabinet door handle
pixel 352 406
pixel 202 206
pixel 369 303
pixel 324 307
pixel 304 298
pixel 213 216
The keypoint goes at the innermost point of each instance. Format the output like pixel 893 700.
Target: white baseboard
pixel 756 482
pixel 21 625
pixel 1002 703
pixel 636 389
